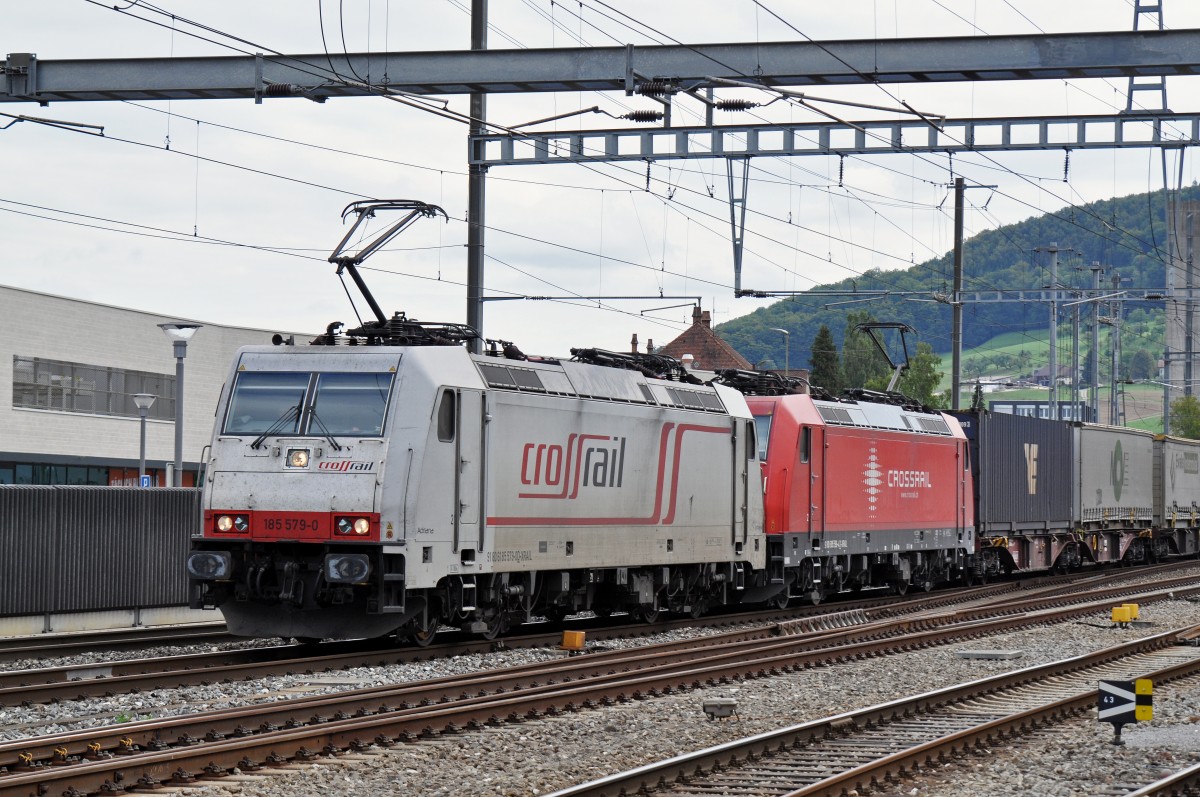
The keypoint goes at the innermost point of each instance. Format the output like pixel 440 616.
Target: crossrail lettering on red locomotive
pixel 909 478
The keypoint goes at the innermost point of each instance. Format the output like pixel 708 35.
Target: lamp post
pixel 179 332
pixel 787 366
pixel 143 401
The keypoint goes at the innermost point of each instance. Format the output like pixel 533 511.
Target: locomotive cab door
pixel 468 486
pixel 812 462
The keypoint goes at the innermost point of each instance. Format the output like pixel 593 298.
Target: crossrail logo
pixel 344 466
pixel 588 460
pixel 1031 463
pixel 1117 471
pixel 572 469
pixel 871 474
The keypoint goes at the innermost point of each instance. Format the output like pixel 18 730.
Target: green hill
pixel 1125 235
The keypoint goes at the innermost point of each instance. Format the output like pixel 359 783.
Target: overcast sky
pixel 135 219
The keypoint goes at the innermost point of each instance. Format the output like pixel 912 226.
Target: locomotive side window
pixel 265 400
pixel 446 417
pixel 350 404
pixel 762 424
pixel 805 443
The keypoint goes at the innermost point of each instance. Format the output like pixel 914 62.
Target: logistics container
pixel 1024 471
pixel 1116 484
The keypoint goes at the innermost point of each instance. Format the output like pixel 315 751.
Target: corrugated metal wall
pixel 74 549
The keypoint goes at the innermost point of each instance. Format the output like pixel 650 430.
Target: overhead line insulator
pixel 643 116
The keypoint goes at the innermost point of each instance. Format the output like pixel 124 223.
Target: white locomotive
pixel 357 491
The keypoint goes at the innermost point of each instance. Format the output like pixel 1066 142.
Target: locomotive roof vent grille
pixel 695 400
pixel 935 425
pixel 836 415
pixel 512 378
pixel 646 392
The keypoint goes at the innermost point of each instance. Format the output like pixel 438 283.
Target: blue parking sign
pixel 145 481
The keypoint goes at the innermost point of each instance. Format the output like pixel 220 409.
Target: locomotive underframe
pixel 274 587
pixel 814 567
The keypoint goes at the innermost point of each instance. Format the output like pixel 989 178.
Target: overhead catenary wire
pixel 849 269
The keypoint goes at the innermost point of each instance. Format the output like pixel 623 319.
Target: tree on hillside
pixel 826 367
pixel 861 360
pixel 1142 365
pixel 1185 417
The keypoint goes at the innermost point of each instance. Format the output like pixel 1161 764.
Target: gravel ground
pixel 539 757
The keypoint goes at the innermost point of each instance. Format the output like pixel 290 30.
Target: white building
pixel 69 372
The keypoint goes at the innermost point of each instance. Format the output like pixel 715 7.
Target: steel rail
pixel 1184 783
pixel 73 643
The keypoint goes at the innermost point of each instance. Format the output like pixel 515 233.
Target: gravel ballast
pixel 535 758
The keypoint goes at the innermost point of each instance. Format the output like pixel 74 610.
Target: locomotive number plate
pixel 292 525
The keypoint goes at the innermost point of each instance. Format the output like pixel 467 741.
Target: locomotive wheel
pixel 900 587
pixel 495 626
pixel 423 633
pixel 647 613
pixel 780 600
pixel 555 614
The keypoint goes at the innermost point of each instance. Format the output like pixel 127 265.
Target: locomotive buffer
pixel 1122 702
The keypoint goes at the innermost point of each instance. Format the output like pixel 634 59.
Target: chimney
pixel 649 345
pixel 633 344
pixel 689 361
pixel 696 315
pixel 706 319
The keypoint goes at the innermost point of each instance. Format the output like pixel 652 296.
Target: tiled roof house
pixel 710 352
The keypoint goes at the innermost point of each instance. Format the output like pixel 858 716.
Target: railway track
pixel 109 677
pixel 175 750
pixel 80 642
pixel 854 752
pixel 83 643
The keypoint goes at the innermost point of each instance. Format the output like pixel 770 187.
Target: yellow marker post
pixel 1143 688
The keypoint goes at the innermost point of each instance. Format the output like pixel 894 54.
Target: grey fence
pixel 78 549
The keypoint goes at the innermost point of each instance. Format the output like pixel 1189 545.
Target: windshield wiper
pixel 288 415
pixel 312 414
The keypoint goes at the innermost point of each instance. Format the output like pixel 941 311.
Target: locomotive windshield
pixel 298 403
pixel 762 425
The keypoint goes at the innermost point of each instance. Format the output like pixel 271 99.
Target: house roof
pixel 710 352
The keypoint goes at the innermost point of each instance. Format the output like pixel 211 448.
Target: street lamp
pixel 179 332
pixel 786 354
pixel 144 402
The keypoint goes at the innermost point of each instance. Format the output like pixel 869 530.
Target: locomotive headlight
pixel 209 565
pixel 297 458
pixel 350 568
pixel 349 525
pixel 238 523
